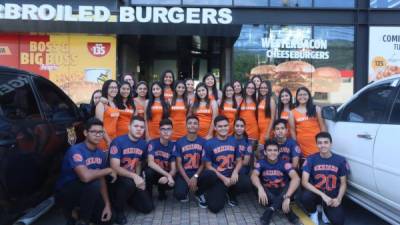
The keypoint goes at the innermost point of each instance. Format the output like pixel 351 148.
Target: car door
pixel 355 132
pixel 387 156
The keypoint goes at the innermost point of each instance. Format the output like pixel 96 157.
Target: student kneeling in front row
pixel 127 155
pixel 82 184
pixel 223 162
pixel 271 177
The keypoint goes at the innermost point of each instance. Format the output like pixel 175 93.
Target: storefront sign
pixel 384 52
pixel 139 14
pixel 295 48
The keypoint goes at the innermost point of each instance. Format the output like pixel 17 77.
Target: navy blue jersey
pixel 191 153
pixel 273 176
pixel 289 150
pixel 325 173
pixel 79 155
pixel 128 151
pixel 163 155
pixel 244 146
pixel 222 154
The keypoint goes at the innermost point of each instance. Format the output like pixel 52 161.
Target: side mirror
pixel 329 113
pixel 85 111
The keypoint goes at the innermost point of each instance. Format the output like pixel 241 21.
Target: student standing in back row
pixel 126 106
pixel 285 105
pixel 156 110
pixel 265 112
pixel 248 111
pixel 178 110
pixel 204 109
pixel 211 83
pixel 167 80
pixel 140 101
pixel 228 106
pixel 306 122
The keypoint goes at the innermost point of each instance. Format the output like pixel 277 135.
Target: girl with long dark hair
pixel 245 147
pixel 189 82
pixel 206 110
pixel 93 102
pixel 265 111
pixel 248 111
pixel 142 90
pixel 126 106
pixel 211 83
pixel 306 122
pixel 108 113
pixel 238 89
pixel 228 106
pixel 156 109
pixel 178 110
pixel 167 80
pixel 130 78
pixel 256 79
pixel 285 105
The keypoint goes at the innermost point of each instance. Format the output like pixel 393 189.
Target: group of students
pixel 202 142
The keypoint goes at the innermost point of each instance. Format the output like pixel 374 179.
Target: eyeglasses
pixel 165 129
pixel 112 87
pixel 96 132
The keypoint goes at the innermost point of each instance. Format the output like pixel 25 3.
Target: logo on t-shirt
pixel 77 157
pixel 113 150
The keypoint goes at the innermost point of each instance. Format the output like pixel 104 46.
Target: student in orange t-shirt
pixel 265 112
pixel 189 82
pixel 285 105
pixel 178 111
pixel 167 80
pixel 238 89
pixel 130 78
pixel 306 122
pixel 248 111
pixel 206 110
pixel 108 113
pixel 140 101
pixel 228 106
pixel 211 83
pixel 156 109
pixel 126 106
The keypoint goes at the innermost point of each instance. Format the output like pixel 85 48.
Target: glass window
pixel 292 3
pixel 17 100
pixel 385 3
pixel 56 105
pixel 370 106
pixel 395 115
pixel 251 2
pixel 334 4
pixel 155 2
pixel 207 2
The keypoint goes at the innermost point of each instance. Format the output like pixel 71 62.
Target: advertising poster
pixel 78 64
pixel 384 52
pixel 317 57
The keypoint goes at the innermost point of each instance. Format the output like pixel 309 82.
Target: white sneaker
pixel 314 218
pixel 324 217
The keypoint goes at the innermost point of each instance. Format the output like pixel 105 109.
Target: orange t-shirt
pixel 154 124
pixel 263 122
pixel 230 113
pixel 139 108
pixel 168 94
pixel 124 120
pixel 306 130
pixel 178 118
pixel 248 114
pixel 205 119
pixel 110 119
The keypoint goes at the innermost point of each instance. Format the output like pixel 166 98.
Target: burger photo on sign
pixel 326 79
pixel 294 74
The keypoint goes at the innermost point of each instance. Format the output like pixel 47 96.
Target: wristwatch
pixel 286 196
pixel 196 175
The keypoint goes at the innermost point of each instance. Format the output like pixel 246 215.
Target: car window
pixel 54 102
pixel 370 106
pixel 17 100
pixel 395 115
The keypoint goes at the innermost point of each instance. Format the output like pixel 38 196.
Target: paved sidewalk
pixel 172 212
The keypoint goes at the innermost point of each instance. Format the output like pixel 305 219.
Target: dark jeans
pixel 334 214
pixel 152 178
pixel 125 191
pixel 216 191
pixel 86 196
pixel 182 188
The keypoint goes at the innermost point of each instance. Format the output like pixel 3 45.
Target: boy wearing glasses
pixel 161 161
pixel 127 153
pixel 82 180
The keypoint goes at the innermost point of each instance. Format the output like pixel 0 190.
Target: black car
pixel 38 122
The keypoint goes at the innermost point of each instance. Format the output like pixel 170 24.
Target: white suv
pixel 366 130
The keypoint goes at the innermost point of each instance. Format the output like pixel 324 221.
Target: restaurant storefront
pixel 321 44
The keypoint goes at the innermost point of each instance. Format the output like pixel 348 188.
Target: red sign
pixel 98 49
